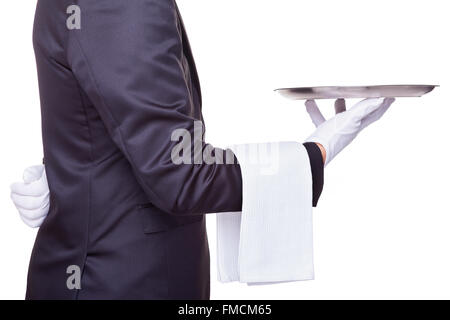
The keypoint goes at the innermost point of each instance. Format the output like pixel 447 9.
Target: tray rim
pixel 285 92
pixel 366 86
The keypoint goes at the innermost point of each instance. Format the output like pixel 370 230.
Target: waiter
pixel 122 216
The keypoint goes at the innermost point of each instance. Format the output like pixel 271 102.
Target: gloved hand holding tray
pixel 358 92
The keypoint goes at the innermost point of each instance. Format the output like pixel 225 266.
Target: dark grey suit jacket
pixel 112 93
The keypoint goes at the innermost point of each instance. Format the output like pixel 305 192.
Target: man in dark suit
pixel 113 89
pixel 112 92
pixel 115 83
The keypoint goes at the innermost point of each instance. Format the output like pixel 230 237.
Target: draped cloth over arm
pixel 271 240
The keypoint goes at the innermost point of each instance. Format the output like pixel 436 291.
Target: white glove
pixel 32 196
pixel 337 133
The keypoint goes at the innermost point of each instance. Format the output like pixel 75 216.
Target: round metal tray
pixel 359 92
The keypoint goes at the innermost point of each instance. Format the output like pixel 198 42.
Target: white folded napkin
pixel 271 240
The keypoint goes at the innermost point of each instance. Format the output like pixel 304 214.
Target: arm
pixel 127 57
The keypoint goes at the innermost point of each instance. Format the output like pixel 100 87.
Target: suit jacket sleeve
pixel 127 57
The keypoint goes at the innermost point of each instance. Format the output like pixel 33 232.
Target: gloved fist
pixel 337 133
pixel 32 196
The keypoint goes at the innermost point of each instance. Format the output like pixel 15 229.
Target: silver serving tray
pixel 358 92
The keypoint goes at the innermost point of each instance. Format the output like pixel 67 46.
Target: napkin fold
pixel 270 241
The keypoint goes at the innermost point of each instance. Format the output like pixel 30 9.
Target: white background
pixel 382 228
